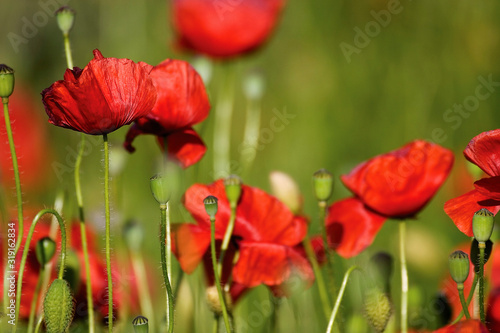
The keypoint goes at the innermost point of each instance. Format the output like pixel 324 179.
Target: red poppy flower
pixel 107 94
pixel 397 184
pixel 265 234
pixel 224 28
pixel 482 150
pixel 466 326
pixel 182 102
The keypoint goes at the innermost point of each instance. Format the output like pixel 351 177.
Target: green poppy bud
pixel 323 184
pixel 211 206
pixel 213 300
pixel 233 189
pixel 133 233
pixel 159 188
pixel 140 324
pixel 6 81
pixel 459 266
pixel 58 307
pixel 377 309
pixel 65 19
pixel 482 224
pixel 45 249
pixel 474 253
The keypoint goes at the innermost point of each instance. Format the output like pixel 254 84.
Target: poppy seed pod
pixel 459 267
pixel 377 309
pixel 233 189
pixel 6 81
pixel 323 184
pixel 159 188
pixel 58 307
pixel 65 18
pixel 482 225
pixel 211 206
pixel 45 249
pixel 141 324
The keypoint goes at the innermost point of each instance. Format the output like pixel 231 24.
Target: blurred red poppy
pixel 107 94
pixel 483 150
pixel 265 234
pixel 467 326
pixel 182 102
pixel 397 184
pixel 224 28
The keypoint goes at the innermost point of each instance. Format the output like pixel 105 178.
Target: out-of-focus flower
pixel 467 326
pixel 397 184
pixel 483 150
pixel 224 28
pixel 107 94
pixel 181 103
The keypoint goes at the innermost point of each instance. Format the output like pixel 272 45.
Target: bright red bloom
pixel 483 150
pixel 467 326
pixel 225 28
pixel 107 94
pixel 182 102
pixel 265 234
pixel 397 184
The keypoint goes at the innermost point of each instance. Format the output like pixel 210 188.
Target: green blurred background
pixel 395 89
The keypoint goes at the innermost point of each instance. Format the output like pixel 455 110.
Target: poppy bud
pixel 58 307
pixel 482 225
pixel 474 253
pixel 6 81
pixel 140 324
pixel 133 233
pixel 45 249
pixel 378 309
pixel 286 190
pixel 211 206
pixel 323 184
pixel 254 85
pixel 65 19
pixel 459 267
pixel 213 300
pixel 233 189
pixel 159 188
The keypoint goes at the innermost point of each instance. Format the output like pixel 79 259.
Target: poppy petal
pixel 190 242
pixel 489 187
pixel 351 226
pixel 466 326
pixel 482 151
pixel 185 146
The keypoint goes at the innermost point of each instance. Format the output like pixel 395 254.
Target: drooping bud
pixel 380 268
pixel 58 307
pixel 6 81
pixel 286 190
pixel 140 324
pixel 459 267
pixel 65 19
pixel 482 224
pixel 211 206
pixel 213 300
pixel 133 233
pixel 323 184
pixel 233 189
pixel 159 188
pixel 45 249
pixel 378 309
pixel 474 253
pixel 254 85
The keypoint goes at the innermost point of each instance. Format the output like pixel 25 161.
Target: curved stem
pixel 339 298
pixel 39 324
pixel 108 233
pixel 62 229
pixel 34 301
pixel 404 277
pixel 227 238
pixel 222 299
pixel 481 282
pixel 469 299
pixel 19 194
pixel 170 298
pixel 462 301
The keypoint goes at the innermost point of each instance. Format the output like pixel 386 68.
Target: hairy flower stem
pixel 62 266
pixel 164 258
pixel 482 313
pixel 222 299
pixel 339 298
pixel 462 300
pixel 108 233
pixel 404 277
pixel 469 299
pixel 35 299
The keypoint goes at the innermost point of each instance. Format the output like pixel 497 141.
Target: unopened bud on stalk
pixel 45 249
pixel 378 309
pixel 482 225
pixel 213 300
pixel 6 81
pixel 58 307
pixel 233 189
pixel 159 188
pixel 211 206
pixel 65 18
pixel 474 253
pixel 323 184
pixel 140 324
pixel 459 267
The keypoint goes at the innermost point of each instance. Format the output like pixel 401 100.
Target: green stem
pixel 339 298
pixel 227 238
pixel 481 282
pixel 163 240
pixel 222 299
pixel 39 324
pixel 67 50
pixel 469 299
pixel 462 301
pixel 215 327
pixel 404 277
pixel 19 195
pixel 62 229
pixel 35 299
pixel 168 243
pixel 142 286
pixel 323 294
pixel 108 233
